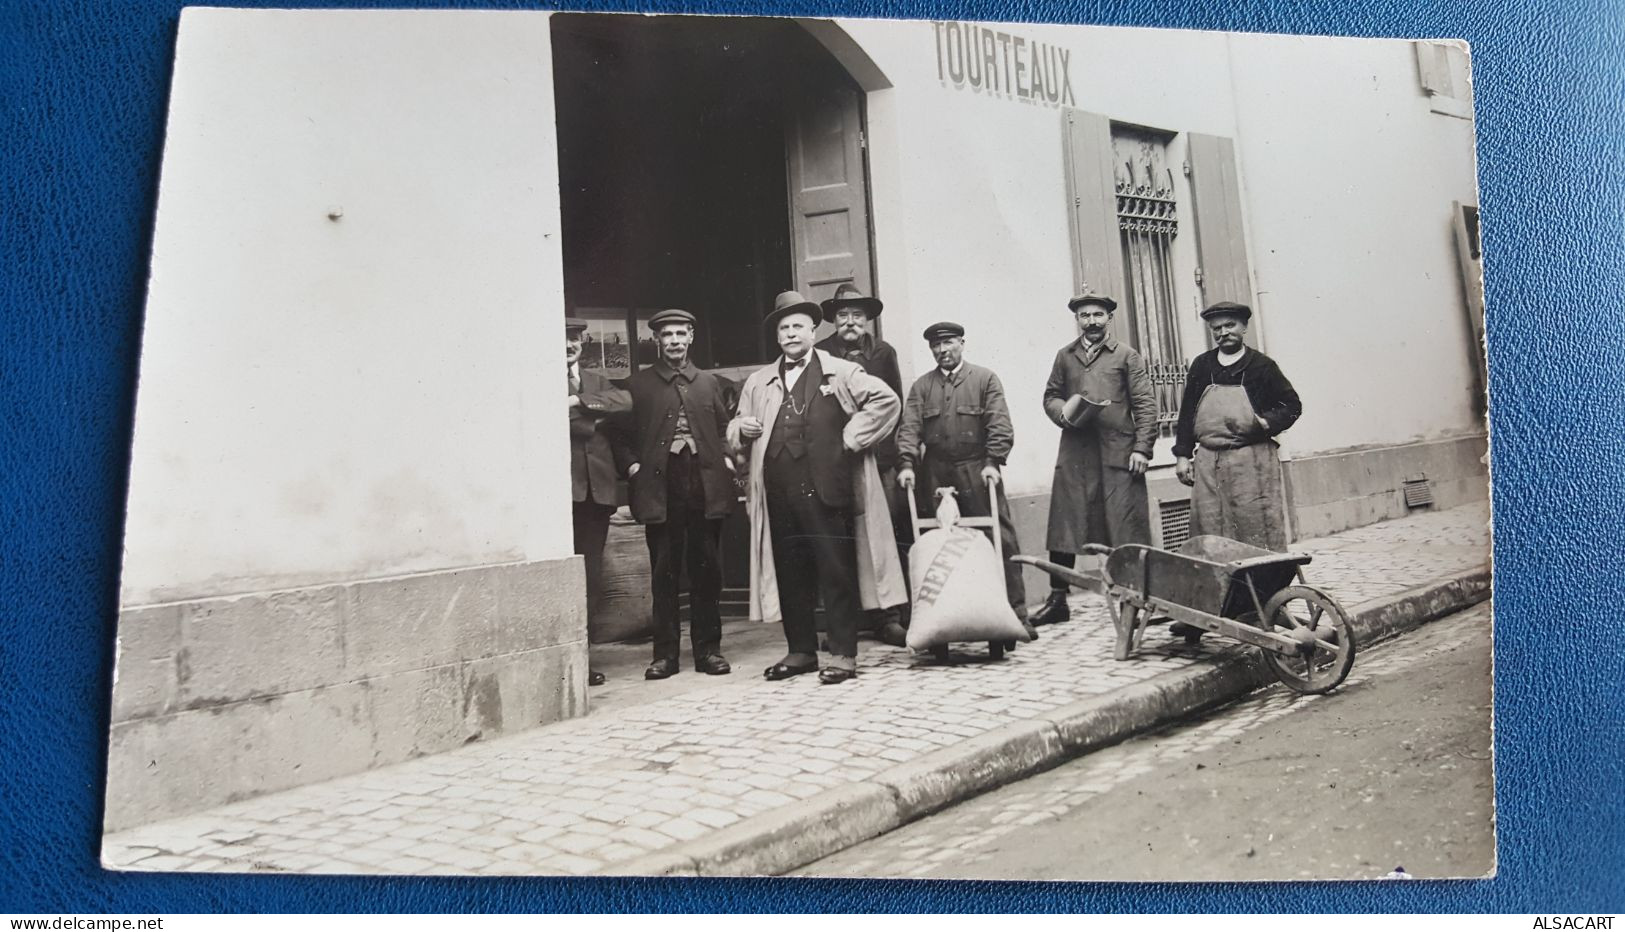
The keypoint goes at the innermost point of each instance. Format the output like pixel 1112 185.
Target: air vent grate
pixel 1175 518
pixel 1418 494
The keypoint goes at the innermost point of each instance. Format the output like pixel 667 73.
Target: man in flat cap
pixel 852 313
pixel 681 485
pixel 1236 401
pixel 819 528
pixel 956 430
pixel 1100 395
pixel 592 402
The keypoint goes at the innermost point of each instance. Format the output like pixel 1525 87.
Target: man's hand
pixel 1183 472
pixel 905 478
pixel 1263 425
pixel 1138 463
pixel 750 427
pixel 990 474
pixel 632 470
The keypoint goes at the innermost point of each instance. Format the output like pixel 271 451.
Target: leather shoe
pixel 661 669
pixel 594 678
pixel 1053 611
pixel 829 676
pixel 713 665
pixel 892 633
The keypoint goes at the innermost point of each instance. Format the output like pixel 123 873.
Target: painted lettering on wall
pixel 972 57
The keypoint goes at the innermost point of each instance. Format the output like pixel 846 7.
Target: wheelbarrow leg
pixel 1127 620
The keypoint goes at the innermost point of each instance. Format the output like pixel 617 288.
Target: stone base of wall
pixel 1335 492
pixel 217 700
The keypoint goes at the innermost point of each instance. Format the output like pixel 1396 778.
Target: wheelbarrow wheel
pixel 1322 627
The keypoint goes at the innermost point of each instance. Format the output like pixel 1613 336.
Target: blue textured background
pixel 84 88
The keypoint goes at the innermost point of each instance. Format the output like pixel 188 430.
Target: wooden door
pixel 1091 195
pixel 828 186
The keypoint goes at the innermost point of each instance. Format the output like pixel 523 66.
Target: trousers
pixel 685 540
pixel 814 556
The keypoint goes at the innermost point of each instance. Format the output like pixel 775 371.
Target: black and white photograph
pixel 635 445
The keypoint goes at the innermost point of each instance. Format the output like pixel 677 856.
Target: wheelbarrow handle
pixel 1070 575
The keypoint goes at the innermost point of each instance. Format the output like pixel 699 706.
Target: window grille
pixel 1147 222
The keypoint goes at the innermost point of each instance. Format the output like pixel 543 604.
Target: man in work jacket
pixel 956 429
pixel 1099 495
pixel 592 401
pixel 1236 401
pixel 681 484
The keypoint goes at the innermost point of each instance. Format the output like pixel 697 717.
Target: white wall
pixel 1349 178
pixel 324 400
pixel 970 197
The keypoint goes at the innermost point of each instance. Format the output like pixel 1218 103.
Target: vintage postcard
pixel 615 444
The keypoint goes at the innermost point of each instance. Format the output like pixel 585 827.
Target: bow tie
pixel 788 365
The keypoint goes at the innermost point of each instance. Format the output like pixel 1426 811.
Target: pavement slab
pixel 670 780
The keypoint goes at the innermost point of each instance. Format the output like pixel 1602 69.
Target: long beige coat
pixel 872 410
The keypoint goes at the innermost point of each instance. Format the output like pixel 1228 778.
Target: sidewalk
pixel 736 775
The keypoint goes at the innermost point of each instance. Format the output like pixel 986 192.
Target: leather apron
pixel 1238 476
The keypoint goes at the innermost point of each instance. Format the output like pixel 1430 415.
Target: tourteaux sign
pixel 978 58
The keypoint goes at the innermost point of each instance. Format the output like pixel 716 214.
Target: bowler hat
pixel 944 329
pixel 848 295
pixel 670 315
pixel 787 303
pixel 1090 297
pixel 572 324
pixel 1079 410
pixel 1228 309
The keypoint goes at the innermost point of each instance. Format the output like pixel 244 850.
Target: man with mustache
pixel 1099 495
pixel 819 528
pixel 681 486
pixel 852 313
pixel 1236 401
pixel 956 427
pixel 591 401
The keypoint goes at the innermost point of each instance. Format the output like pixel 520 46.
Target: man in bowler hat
pixel 956 429
pixel 852 313
pixel 681 484
pixel 819 528
pixel 1100 394
pixel 592 401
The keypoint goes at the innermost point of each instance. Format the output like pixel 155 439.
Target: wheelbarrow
pixel 1235 590
pixel 995 649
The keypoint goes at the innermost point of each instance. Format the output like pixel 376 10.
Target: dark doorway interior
pixel 672 174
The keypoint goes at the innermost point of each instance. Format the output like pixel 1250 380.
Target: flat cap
pixel 670 315
pixel 943 329
pixel 1090 297
pixel 572 324
pixel 1228 309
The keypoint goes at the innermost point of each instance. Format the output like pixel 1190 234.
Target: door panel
pixel 829 215
pixel 1091 193
pixel 1221 243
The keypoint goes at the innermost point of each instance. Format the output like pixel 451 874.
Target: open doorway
pixel 706 163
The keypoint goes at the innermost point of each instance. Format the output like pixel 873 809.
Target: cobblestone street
pixel 586 795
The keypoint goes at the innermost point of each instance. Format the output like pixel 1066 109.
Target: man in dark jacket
pixel 851 312
pixel 956 428
pixel 1099 495
pixel 682 487
pixel 1236 401
pixel 592 400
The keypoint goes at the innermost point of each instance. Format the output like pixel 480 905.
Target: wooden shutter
pixel 829 211
pixel 1091 192
pixel 1221 239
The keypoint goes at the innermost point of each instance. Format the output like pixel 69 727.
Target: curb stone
pixel 780 841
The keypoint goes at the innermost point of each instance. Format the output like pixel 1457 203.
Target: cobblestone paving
pixel 584 795
pixel 930 849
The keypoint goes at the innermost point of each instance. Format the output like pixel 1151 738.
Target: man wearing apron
pixel 1236 401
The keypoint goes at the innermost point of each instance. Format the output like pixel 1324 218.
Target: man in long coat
pixel 1099 495
pixel 681 484
pixel 818 521
pixel 1236 401
pixel 956 429
pixel 853 313
pixel 592 401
